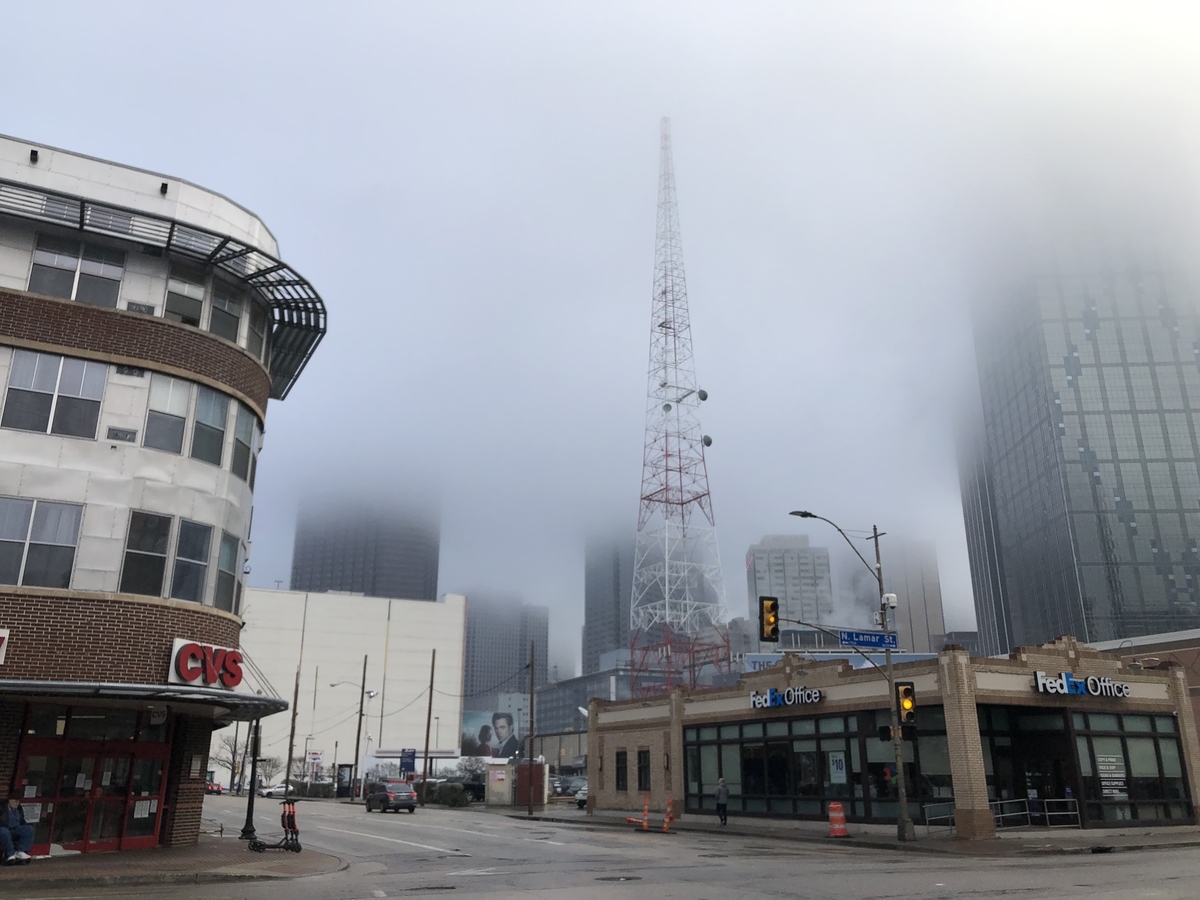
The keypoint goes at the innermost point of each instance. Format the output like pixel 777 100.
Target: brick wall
pixel 184 798
pixel 68 636
pixel 125 338
pixel 12 715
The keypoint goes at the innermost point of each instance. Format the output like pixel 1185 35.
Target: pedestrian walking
pixel 722 801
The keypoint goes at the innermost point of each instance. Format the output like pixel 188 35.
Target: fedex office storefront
pixel 1053 735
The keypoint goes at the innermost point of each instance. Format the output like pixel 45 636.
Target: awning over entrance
pixel 225 706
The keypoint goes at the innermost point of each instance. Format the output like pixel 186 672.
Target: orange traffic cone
pixel 837 820
pixel 667 819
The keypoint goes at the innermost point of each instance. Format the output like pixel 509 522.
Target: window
pixel 643 759
pixel 145 554
pixel 60 270
pixel 622 770
pixel 185 295
pixel 227 583
pixel 245 434
pixel 226 314
pixel 37 542
pixel 208 436
pixel 256 337
pixel 168 413
pixel 48 392
pixel 191 561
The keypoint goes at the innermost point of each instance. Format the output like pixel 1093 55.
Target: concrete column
pixel 1185 718
pixel 674 742
pixel 972 814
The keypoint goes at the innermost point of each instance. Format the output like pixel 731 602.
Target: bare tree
pixel 268 768
pixel 227 756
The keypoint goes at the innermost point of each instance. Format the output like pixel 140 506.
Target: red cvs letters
pixel 208 664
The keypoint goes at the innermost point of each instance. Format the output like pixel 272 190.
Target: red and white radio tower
pixel 678 594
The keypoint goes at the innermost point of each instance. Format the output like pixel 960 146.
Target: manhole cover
pixel 619 878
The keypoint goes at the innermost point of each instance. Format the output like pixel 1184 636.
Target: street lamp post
pixel 363 697
pixel 248 832
pixel 904 824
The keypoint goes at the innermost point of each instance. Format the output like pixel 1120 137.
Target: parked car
pixel 212 787
pixel 581 796
pixel 274 790
pixel 571 785
pixel 392 795
pixel 556 785
pixel 476 790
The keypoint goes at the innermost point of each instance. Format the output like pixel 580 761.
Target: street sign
pixel 878 639
pixel 408 760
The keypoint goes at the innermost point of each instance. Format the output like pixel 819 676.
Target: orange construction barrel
pixel 837 820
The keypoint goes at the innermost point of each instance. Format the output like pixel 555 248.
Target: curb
pixel 8 885
pixel 877 844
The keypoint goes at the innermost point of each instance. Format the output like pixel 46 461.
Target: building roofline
pixel 176 178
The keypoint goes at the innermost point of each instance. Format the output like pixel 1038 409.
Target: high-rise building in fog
pixel 910 572
pixel 786 567
pixel 374 550
pixel 1082 493
pixel 607 583
pixel 499 632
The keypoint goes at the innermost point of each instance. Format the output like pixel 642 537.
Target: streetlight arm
pixel 805 514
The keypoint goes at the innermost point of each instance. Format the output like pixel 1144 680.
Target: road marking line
pixel 390 840
pixel 448 828
pixel 544 841
pixel 378 893
pixel 491 871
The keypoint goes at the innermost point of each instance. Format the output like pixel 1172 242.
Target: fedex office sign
pixel 204 665
pixel 1066 683
pixel 788 697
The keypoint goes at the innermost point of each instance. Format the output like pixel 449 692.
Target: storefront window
pixel 103 724
pixel 1136 723
pixel 46 721
pixel 935 782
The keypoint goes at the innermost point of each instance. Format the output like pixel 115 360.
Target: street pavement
pixel 456 853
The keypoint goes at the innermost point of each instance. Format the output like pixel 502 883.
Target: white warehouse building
pixel 327 635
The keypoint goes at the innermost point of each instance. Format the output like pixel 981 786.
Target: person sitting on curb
pixel 14 829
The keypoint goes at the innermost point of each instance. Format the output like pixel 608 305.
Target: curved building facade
pixel 145 324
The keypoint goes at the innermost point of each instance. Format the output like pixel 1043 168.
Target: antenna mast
pixel 677 588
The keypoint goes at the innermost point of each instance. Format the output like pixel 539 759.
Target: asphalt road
pixel 444 853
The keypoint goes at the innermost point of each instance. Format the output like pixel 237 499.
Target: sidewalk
pixel 1015 842
pixel 213 859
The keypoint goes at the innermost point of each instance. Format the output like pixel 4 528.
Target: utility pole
pixel 248 833
pixel 529 782
pixel 904 824
pixel 287 775
pixel 362 697
pixel 428 722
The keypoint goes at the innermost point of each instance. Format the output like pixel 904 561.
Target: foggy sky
pixel 471 188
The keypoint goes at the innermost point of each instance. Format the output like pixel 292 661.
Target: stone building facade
pixel 1057 734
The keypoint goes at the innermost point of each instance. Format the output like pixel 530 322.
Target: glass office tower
pixel 1081 495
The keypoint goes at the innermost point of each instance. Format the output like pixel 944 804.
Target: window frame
pixel 643 770
pixel 204 564
pixel 189 405
pixel 56 394
pixel 167 553
pixel 28 543
pixel 77 273
pixel 621 766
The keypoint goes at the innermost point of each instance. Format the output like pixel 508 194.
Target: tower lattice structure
pixel 678 594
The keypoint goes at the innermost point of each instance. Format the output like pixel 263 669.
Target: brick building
pixel 145 323
pixel 1058 734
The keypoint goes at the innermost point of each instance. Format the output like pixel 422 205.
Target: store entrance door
pixel 1043 770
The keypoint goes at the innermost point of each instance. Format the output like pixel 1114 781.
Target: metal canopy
pixel 298 312
pixel 233 706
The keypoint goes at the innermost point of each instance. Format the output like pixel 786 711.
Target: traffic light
pixel 906 703
pixel 768 619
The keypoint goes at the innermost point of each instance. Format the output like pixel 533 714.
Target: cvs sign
pixel 204 665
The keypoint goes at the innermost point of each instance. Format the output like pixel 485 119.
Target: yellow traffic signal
pixel 906 702
pixel 768 619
